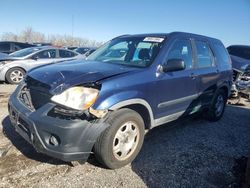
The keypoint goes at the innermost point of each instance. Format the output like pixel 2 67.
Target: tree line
pixel 29 35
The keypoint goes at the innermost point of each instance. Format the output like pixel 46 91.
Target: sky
pixel 101 20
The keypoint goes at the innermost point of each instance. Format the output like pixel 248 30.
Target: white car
pixel 14 66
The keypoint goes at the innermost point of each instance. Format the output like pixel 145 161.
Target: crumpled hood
pixel 240 63
pixel 61 76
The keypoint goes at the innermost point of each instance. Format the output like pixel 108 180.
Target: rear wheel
pixel 120 143
pixel 217 107
pixel 15 75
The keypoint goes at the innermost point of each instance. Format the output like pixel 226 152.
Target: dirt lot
pixel 190 153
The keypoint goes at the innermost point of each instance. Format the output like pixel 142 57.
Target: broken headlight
pixel 78 98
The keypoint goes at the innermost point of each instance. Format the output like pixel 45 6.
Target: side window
pixel 16 47
pixel 4 47
pixel 46 54
pixel 221 54
pixel 182 50
pixel 66 54
pixel 204 55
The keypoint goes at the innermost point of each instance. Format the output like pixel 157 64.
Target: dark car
pixel 85 50
pixel 70 47
pixel 10 46
pixel 240 56
pixel 89 52
pixel 105 104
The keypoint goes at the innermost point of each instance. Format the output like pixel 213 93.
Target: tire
pixel 15 75
pixel 217 108
pixel 121 142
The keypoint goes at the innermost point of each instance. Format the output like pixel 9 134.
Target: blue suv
pixel 131 84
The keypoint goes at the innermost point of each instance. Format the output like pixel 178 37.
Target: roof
pixel 16 42
pixel 176 33
pixel 239 46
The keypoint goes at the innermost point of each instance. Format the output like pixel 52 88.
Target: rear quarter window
pixel 66 54
pixel 221 53
pixel 204 56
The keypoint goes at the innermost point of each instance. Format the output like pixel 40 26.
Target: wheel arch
pixel 140 106
pixel 14 68
pixel 226 87
pixel 10 68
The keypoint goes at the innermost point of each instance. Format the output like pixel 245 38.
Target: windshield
pixel 129 51
pixel 243 52
pixel 24 52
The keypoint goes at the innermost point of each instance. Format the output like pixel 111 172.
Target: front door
pixel 43 57
pixel 177 89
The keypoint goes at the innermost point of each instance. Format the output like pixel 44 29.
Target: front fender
pixel 126 98
pixel 106 102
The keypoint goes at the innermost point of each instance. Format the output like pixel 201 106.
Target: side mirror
pixel 174 65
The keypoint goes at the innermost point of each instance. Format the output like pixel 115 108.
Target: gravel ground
pixel 187 153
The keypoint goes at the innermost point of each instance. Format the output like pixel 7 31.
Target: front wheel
pixel 217 107
pixel 15 75
pixel 120 143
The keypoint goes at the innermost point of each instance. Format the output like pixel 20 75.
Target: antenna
pixel 72 31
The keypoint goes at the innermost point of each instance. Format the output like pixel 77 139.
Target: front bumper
pixel 72 139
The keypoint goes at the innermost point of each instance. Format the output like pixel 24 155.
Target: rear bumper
pixel 68 140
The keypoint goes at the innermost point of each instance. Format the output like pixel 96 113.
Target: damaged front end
pixel 52 128
pixel 241 84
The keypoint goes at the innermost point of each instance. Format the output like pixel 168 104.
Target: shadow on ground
pixel 194 152
pixel 24 147
pixel 187 153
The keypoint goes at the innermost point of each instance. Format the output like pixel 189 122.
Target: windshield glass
pixel 129 51
pixel 243 52
pixel 24 52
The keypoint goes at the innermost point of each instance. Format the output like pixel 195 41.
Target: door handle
pixel 193 76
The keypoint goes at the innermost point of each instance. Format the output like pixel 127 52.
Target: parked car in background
pixel 42 44
pixel 70 47
pixel 131 84
pixel 84 50
pixel 89 52
pixel 14 67
pixel 10 46
pixel 240 57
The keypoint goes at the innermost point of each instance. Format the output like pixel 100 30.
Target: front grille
pixel 38 97
pixel 35 94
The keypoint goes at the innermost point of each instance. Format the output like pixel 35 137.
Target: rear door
pixel 66 55
pixel 176 90
pixel 207 71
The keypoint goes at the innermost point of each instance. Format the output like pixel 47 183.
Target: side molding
pixel 168 118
